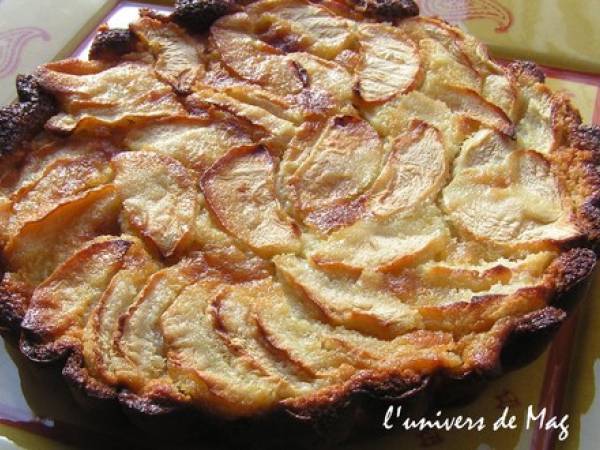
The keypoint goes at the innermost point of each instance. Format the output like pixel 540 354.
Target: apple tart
pixel 290 212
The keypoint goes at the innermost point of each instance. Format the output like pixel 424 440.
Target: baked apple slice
pixel 342 302
pixel 138 342
pixel 390 63
pixel 92 94
pixel 234 321
pixel 307 26
pixel 59 151
pixel 196 142
pixel 382 246
pixel 414 171
pixel 470 104
pixel 327 85
pixel 273 130
pixel 225 253
pixel 320 167
pixel 159 198
pixel 62 182
pixel 177 56
pixel 201 362
pixel 536 129
pixel 515 205
pixel 39 247
pixel 252 59
pixel 99 351
pixel 485 150
pixel 60 305
pixel 482 278
pixel 394 117
pixel 501 90
pixel 331 353
pixel 240 192
pixel 453 50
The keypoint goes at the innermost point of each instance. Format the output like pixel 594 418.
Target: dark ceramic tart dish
pixel 271 220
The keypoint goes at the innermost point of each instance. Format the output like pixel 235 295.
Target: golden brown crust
pixel 513 326
pixel 14 300
pixel 336 415
pixel 583 158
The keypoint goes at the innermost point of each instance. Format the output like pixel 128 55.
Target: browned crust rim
pixel 330 416
pixel 22 119
pixel 337 413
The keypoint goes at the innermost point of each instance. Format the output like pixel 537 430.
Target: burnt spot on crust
pixel 198 15
pixel 586 137
pixel 530 337
pixel 571 269
pixel 39 352
pixel 14 299
pixel 580 159
pixel 111 44
pixel 528 69
pixel 86 389
pixel 386 10
pixel 21 120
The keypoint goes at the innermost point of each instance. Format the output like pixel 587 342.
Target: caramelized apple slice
pixel 314 27
pixel 159 198
pixel 139 343
pixel 177 56
pixel 383 246
pixel 100 354
pixel 253 59
pixel 342 302
pixel 285 108
pixel 390 63
pixel 321 165
pixel 195 142
pixel 39 247
pixel 202 365
pixel 414 171
pixel 240 192
pixel 91 94
pixel 61 183
pixel 60 306
pixel 38 160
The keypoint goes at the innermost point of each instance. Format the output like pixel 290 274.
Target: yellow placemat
pixel 558 33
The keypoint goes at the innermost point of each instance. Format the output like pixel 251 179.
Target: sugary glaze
pixel 300 199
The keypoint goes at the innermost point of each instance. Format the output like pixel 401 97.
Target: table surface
pixel 36 411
